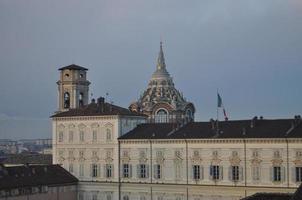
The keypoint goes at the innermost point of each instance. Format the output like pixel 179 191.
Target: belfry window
pixel 66 100
pixel 161 116
pixel 81 101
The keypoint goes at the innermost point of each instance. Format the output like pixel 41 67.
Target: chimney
pixel 92 100
pixel 101 103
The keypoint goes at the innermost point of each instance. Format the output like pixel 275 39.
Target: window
pixel 256 173
pixel 277 173
pixel 108 154
pixel 81 136
pixel 125 154
pixel 215 172
pixel 189 114
pixel 109 168
pixel 234 153
pixel 235 173
pixel 70 139
pixel 94 170
pixel 81 154
pixel 81 170
pixel 94 196
pixel 298 174
pixel 108 134
pixel 61 136
pixel 299 154
pixel 142 198
pixel 81 99
pixel 142 171
pixel 126 173
pixel 159 154
pixel 81 196
pixel 157 171
pixel 70 168
pixel 255 154
pixel 66 100
pixel 94 135
pixel 215 153
pixel 196 172
pixel 126 197
pixel 108 197
pixel 161 116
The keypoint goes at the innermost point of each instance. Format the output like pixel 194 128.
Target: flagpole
pixel 217 113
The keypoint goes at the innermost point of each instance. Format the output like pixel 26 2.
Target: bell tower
pixel 73 87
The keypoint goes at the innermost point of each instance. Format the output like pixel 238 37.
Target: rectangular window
pixel 94 169
pixel 94 135
pixel 81 170
pixel 298 174
pixel 277 174
pixel 126 170
pixel 157 172
pixel 94 197
pixel 215 172
pixel 61 136
pixel 108 171
pixel 70 138
pixel 235 173
pixel 196 172
pixel 81 136
pixel 142 171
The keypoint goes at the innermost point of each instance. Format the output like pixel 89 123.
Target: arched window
pixel 161 116
pixel 108 134
pixel 81 99
pixel 189 114
pixel 66 100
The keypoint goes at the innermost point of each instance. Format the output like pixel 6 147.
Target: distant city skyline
pixel 250 50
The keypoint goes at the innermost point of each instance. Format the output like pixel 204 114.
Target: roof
pixel 27 158
pixel 73 67
pixel 276 196
pixel 269 196
pixel 34 175
pixel 277 128
pixel 298 194
pixel 95 109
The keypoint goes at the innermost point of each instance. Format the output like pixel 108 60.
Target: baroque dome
pixel 161 95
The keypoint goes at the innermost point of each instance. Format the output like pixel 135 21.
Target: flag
pixel 219 101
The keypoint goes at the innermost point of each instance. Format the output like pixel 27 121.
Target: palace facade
pixel 155 151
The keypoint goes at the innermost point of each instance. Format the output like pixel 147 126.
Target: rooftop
pixel 73 67
pixel 100 108
pixel 34 175
pixel 256 128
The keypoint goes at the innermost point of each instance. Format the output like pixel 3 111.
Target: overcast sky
pixel 251 50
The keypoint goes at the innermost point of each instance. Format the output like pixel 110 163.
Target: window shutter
pixel 241 176
pixel 201 172
pixel 112 171
pixel 283 170
pixel 147 171
pixel 130 171
pixel 121 171
pixel 272 173
pixel 154 172
pixel 230 173
pixel 221 172
pixel 293 174
pixel 99 170
pixel 91 170
pixel 211 172
pixel 105 171
pixel 137 171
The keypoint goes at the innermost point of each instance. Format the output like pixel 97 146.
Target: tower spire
pixel 161 65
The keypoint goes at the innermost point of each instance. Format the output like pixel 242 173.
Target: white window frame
pixel 196 172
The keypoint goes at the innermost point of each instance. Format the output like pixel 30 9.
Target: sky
pixel 250 50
